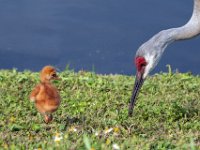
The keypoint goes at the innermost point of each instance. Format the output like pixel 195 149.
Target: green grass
pixel 167 114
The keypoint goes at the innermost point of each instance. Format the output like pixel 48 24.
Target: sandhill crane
pixel 149 53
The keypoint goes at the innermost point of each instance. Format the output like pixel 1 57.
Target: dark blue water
pixel 100 35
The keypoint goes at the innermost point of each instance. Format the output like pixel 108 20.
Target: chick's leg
pixel 48 118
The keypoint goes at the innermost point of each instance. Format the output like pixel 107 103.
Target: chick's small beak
pixel 138 84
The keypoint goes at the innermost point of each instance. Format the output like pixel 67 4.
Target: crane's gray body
pixel 153 49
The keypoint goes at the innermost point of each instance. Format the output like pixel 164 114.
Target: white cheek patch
pixel 149 66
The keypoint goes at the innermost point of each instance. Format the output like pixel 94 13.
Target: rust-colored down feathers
pixel 45 94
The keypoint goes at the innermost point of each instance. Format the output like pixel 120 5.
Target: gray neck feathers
pixel 153 49
pixel 189 30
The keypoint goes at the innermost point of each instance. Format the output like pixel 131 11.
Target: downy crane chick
pixel 45 95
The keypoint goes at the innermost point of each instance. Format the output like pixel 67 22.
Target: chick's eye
pixel 54 75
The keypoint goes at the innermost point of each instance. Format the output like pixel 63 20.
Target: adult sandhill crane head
pixel 149 53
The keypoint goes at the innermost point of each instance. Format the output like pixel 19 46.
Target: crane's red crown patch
pixel 140 62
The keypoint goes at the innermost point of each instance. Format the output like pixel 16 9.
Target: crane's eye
pixel 143 64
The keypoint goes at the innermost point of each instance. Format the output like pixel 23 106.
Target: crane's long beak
pixel 138 84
